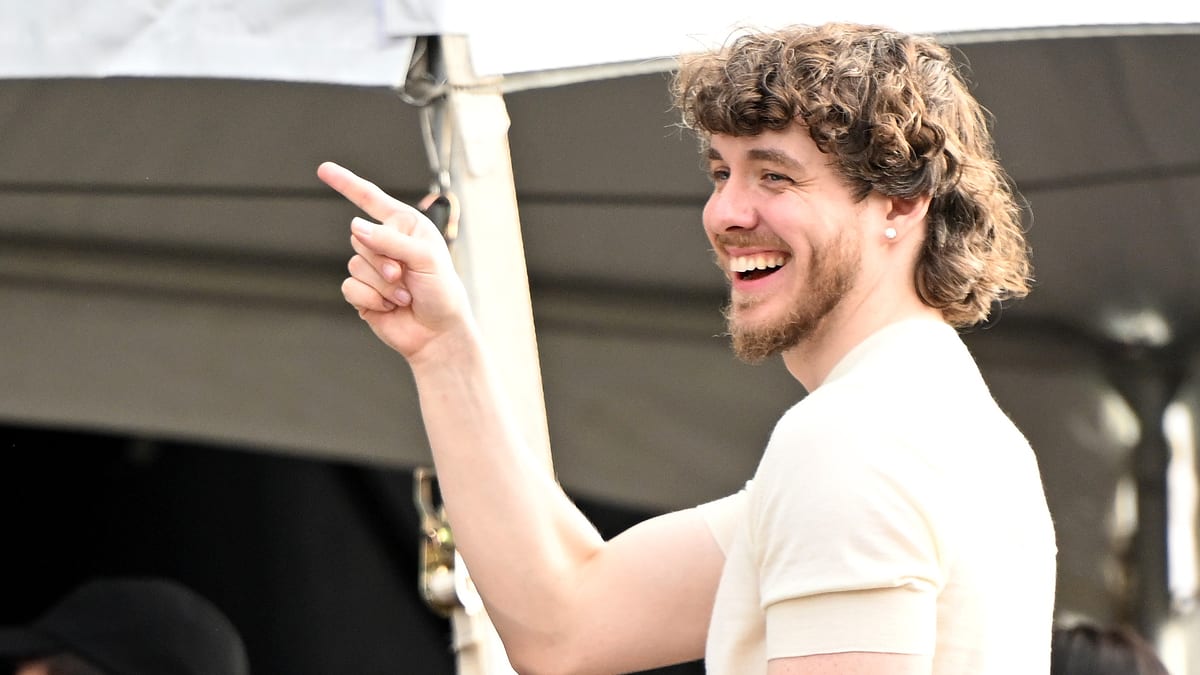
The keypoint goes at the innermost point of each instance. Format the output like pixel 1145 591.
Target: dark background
pixel 314 561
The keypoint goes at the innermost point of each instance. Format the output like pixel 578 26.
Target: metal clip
pixel 441 207
pixel 437 571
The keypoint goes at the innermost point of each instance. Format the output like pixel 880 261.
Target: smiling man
pixel 896 523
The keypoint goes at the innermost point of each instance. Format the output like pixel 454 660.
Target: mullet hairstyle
pixel 895 116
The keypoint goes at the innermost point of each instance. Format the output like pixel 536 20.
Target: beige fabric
pixel 896 509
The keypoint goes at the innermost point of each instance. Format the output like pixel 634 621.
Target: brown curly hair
pixel 894 114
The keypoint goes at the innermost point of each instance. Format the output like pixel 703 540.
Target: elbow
pixel 527 662
pixel 546 658
pixel 524 664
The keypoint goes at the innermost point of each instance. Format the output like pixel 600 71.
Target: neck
pixel 811 361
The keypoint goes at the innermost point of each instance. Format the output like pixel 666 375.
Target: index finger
pixel 361 192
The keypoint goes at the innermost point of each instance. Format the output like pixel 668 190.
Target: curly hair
pixel 894 114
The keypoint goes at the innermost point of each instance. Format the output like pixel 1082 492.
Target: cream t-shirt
pixel 896 509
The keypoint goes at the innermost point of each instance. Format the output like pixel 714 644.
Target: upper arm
pixel 646 598
pixel 852 663
pixel 849 550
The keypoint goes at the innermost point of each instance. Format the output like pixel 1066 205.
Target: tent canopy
pixel 170 265
pixel 369 43
pixel 168 211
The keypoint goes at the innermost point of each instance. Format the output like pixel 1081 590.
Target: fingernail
pixel 402 296
pixel 388 306
pixel 391 271
pixel 362 228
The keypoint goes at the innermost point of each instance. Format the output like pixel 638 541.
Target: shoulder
pixel 838 473
pixel 845 426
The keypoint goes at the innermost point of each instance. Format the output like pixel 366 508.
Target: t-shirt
pixel 896 508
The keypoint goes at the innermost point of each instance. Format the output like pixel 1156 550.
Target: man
pixel 127 626
pixel 897 522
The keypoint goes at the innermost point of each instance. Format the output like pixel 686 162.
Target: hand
pixel 402 280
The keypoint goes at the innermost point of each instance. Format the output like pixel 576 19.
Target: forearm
pixel 522 538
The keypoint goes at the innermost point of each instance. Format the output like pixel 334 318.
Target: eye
pixel 771 177
pixel 718 175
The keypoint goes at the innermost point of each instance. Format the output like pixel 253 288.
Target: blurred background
pixel 185 393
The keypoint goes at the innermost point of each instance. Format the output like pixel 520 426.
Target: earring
pixel 890 233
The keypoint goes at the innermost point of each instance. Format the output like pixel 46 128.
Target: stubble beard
pixel 832 271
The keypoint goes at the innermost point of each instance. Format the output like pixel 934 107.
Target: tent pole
pixel 1149 380
pixel 489 255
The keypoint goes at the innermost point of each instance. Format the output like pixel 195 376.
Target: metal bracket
pixel 426 87
pixel 437 564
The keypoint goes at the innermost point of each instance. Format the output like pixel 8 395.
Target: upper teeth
pixel 762 261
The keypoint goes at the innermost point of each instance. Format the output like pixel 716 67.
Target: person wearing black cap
pixel 127 626
pixel 1089 648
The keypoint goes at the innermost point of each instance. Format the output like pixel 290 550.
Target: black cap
pixel 133 627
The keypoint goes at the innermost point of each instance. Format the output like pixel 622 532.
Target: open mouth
pixel 758 266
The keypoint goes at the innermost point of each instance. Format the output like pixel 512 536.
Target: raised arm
pixel 562 599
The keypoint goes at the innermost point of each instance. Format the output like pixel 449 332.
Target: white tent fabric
pixel 285 40
pixel 546 35
pixel 369 42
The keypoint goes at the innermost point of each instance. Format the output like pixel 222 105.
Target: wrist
pixel 457 346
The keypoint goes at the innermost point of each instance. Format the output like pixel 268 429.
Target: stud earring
pixel 890 233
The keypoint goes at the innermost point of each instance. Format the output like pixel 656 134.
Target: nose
pixel 728 208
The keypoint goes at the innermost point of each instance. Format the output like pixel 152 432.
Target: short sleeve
pixel 846 542
pixel 723 517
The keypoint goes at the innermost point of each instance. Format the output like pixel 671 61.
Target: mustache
pixel 751 240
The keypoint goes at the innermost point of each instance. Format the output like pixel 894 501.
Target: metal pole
pixel 1148 379
pixel 490 256
pixel 489 252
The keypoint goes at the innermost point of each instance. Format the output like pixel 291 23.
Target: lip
pixel 740 284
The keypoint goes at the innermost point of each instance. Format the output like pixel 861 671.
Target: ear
pixel 905 213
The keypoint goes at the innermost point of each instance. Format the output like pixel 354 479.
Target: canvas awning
pixel 169 266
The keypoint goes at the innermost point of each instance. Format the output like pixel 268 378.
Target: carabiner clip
pixel 438 580
pixel 441 207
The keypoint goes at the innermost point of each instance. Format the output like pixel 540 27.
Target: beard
pixel 832 271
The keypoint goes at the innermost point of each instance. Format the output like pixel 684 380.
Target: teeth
pixel 760 261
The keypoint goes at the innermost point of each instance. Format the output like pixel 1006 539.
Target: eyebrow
pixel 764 155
